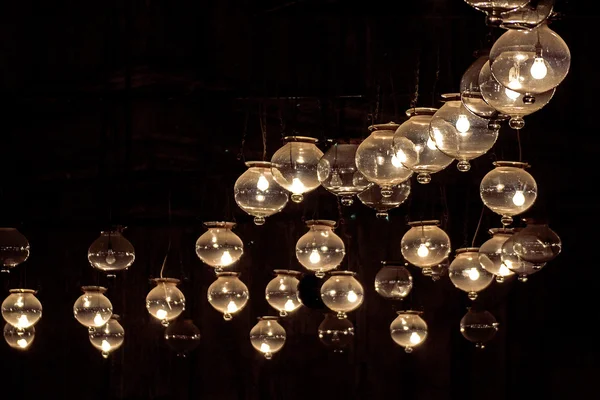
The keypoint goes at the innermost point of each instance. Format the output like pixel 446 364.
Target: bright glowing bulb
pixel 538 69
pixel 462 124
pixel 86 302
pixel 263 183
pixel 22 343
pixel 314 257
pixel 289 305
pixel 23 321
pixel 500 187
pixel 415 338
pixel 508 264
pixel 473 274
pixel 226 258
pixel 19 302
pixel 282 287
pixel 352 297
pixel 518 199
pixel 396 159
pixel 422 251
pixel 161 314
pixel 98 321
pixel 260 197
pixel 214 239
pixel 511 94
pixel 110 257
pixel 297 186
pixel 431 144
pixel 514 77
pixel 504 271
pixel 438 137
pixel 105 346
pixel 231 307
pixel 265 348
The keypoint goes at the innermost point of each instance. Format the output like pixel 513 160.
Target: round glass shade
pixel 467 274
pixel 393 281
pixel 528 17
pixel 228 294
pixel 336 333
pixel 470 91
pixel 182 336
pixel 219 247
pixel 490 254
pixel 92 309
pixel 21 308
pixel 497 6
pixel 295 166
pixel 111 252
pixel 478 327
pixel 165 302
pixel 537 243
pixel 425 244
pixel 408 330
pixel 372 198
pixel 14 248
pixel 267 336
pixel 19 338
pixel 282 292
pixel 513 262
pixel 342 292
pixel 320 249
pixel 108 337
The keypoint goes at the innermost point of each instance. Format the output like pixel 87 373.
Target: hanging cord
pixel 169 245
pixel 241 155
pixel 263 129
pixel 446 215
pixel 519 143
pixel 394 99
pixel 413 102
pixel 437 75
pixel 478 225
pixel 281 123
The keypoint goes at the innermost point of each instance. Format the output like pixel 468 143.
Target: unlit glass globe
pixel 219 247
pixel 320 249
pixel 92 309
pixel 182 336
pixel 537 243
pixel 14 248
pixel 282 291
pixel 425 244
pixel 470 91
pixel 294 166
pixel 228 294
pixel 528 17
pixel 513 262
pixel 382 205
pixel 376 159
pixel 165 302
pixel 257 193
pixel 111 252
pixel 393 281
pixel 467 274
pixel 436 272
pixel 19 338
pixel 336 333
pixel 342 292
pixel 479 327
pixel 267 336
pixel 461 134
pixel 490 254
pixel 408 330
pixel 21 308
pixel 108 337
pixel 508 189
pixel 495 8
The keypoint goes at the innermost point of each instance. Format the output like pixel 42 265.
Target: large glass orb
pixel 19 338
pixel 513 262
pixel 376 159
pixel 228 294
pixel 408 330
pixel 336 333
pixel 219 247
pixel 257 193
pixel 372 198
pixel 282 291
pixel 530 61
pixel 393 281
pixel 182 336
pixel 478 326
pixel 425 244
pixel 267 336
pixel 111 252
pixel 21 308
pixel 490 254
pixel 320 249
pixel 537 243
pixel 92 309
pixel 165 302
pixel 508 189
pixel 470 91
pixel 461 134
pixel 14 248
pixel 108 337
pixel 467 274
pixel 342 292
pixel 294 166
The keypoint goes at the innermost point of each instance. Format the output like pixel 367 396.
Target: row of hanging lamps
pixel 19 338
pixel 21 308
pixel 111 252
pixel 268 336
pixel 342 293
pixel 182 336
pixel 165 301
pixel 282 292
pixel 92 309
pixel 490 254
pixel 14 248
pixel 219 247
pixel 108 337
pixel 425 244
pixel 336 333
pixel 228 294
pixel 467 274
pixel 409 330
pixel 320 250
pixel 393 281
pixel 373 198
pixel 478 327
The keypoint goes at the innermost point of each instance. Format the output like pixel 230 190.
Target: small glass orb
pixel 111 252
pixel 478 327
pixel 14 248
pixel 470 91
pixel 165 302
pixel 530 61
pixel 467 274
pixel 219 247
pixel 320 249
pixel 336 333
pixel 338 173
pixel 342 292
pixel 257 193
pixel 282 292
pixel 513 262
pixel 376 159
pixel 21 308
pixel 459 133
pixel 372 198
pixel 393 281
pixel 108 337
pixel 19 338
pixel 408 330
pixel 182 336
pixel 508 189
pixel 537 243
pixel 425 244
pixel 490 254
pixel 92 309
pixel 228 294
pixel 267 336
pixel 294 166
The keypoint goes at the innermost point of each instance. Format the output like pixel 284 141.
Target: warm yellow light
pixel 105 345
pixel 431 144
pixel 415 338
pixel 110 257
pixel 23 321
pixel 539 70
pixel 504 271
pixel 422 251
pixel 314 257
pixel 297 186
pixel 352 297
pixel 98 321
pixel 231 307
pixel 161 314
pixel 22 343
pixel 263 183
pixel 397 159
pixel 289 305
pixel 511 94
pixel 519 198
pixel 226 258
pixel 473 274
pixel 260 197
pixel 462 124
pixel 86 302
pixel 19 302
pixel 265 348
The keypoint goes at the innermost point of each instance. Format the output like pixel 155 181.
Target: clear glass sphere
pixel 372 198
pixel 295 166
pixel 470 91
pixel 425 244
pixel 21 308
pixel 393 281
pixel 14 248
pixel 467 274
pixel 508 189
pixel 528 17
pixel 530 61
pixel 228 294
pixel 342 292
pixel 479 327
pixel 165 302
pixel 490 254
pixel 257 193
pixel 92 309
pixel 19 338
pixel 376 159
pixel 336 333
pixel 537 243
pixel 108 337
pixel 267 336
pixel 111 252
pixel 408 330
pixel 282 291
pixel 182 336
pixel 219 247
pixel 320 249
pixel 497 6
pixel 513 262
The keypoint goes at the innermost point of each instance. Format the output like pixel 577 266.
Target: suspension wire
pixel 241 155
pixel 263 129
pixel 519 143
pixel 170 238
pixel 437 75
pixel 413 102
pixel 478 225
pixel 394 99
pixel 281 122
pixel 446 211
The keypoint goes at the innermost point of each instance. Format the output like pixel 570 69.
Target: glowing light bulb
pixel 462 124
pixel 519 198
pixel 22 343
pixel 473 274
pixel 504 271
pixel 398 159
pixel 289 305
pixel 105 345
pixel 431 144
pixel 352 297
pixel 226 258
pixel 110 257
pixel 263 183
pixel 231 307
pixel 314 257
pixel 514 77
pixel 19 302
pixel 23 321
pixel 538 69
pixel 511 94
pixel 282 287
pixel 86 302
pixel 297 186
pixel 98 321
pixel 161 314
pixel 422 251
pixel 415 338
pixel 265 348
pixel 260 197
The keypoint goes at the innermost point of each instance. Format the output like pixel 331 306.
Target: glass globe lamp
pixel 282 292
pixel 342 292
pixel 470 91
pixel 294 166
pixel 372 198
pixel 108 337
pixel 513 262
pixel 182 336
pixel 490 254
pixel 408 330
pixel 467 274
pixel 19 338
pixel 528 17
pixel 494 8
pixel 111 252
pixel 267 336
pixel 508 189
pixel 393 281
pixel 92 309
pixel 21 308
pixel 479 327
pixel 336 333
pixel 425 244
pixel 14 248
pixel 219 247
pixel 320 249
pixel 165 302
pixel 257 193
pixel 377 161
pixel 228 294
pixel 536 243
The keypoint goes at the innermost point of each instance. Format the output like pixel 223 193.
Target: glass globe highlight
pixel 342 293
pixel 21 308
pixel 267 336
pixel 92 309
pixel 467 274
pixel 165 302
pixel 228 294
pixel 111 252
pixel 19 338
pixel 282 292
pixel 320 249
pixel 490 254
pixel 108 337
pixel 14 248
pixel 219 247
pixel 408 330
pixel 479 327
pixel 425 244
pixel 372 198
pixel 393 281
